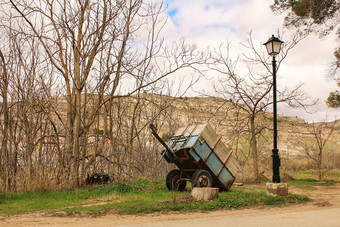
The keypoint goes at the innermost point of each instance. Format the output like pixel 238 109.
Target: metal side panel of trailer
pixel 206 150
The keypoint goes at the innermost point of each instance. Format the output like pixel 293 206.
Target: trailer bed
pixel 197 147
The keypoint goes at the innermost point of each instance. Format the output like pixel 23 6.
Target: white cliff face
pixel 170 113
pixel 294 135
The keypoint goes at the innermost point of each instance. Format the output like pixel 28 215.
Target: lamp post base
pixel 276 166
pixel 274 189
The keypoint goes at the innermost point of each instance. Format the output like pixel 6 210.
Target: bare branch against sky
pixel 211 23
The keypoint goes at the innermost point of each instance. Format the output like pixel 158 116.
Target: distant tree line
pixel 67 67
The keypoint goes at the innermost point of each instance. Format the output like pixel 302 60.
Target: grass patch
pixel 34 201
pixel 137 197
pixel 151 203
pixel 307 179
pixel 312 182
pixel 312 174
pixel 233 199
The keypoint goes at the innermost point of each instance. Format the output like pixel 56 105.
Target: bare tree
pixel 132 146
pixel 22 105
pixel 321 133
pixel 5 130
pixel 249 93
pixel 91 49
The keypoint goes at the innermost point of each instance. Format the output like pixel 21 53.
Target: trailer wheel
pixel 202 179
pixel 173 181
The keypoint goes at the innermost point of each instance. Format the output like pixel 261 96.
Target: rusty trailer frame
pixel 201 157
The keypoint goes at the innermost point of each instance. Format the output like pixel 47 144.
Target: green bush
pixel 123 187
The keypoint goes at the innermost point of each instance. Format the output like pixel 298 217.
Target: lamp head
pixel 273 46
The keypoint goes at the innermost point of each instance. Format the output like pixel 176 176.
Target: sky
pixel 212 22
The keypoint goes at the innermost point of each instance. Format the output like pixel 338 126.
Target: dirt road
pixel 323 211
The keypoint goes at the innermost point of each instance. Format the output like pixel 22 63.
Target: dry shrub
pixel 332 160
pixel 40 183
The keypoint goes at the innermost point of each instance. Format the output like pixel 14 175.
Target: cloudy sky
pixel 211 22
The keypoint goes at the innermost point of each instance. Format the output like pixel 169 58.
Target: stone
pixel 274 189
pixel 199 194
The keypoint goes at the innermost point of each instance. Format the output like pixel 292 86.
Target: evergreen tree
pixel 317 16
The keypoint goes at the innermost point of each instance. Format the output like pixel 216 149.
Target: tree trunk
pixel 319 165
pixel 253 145
pixel 68 147
pixel 76 142
pixel 4 156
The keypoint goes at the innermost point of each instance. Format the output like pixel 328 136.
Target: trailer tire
pixel 173 181
pixel 202 179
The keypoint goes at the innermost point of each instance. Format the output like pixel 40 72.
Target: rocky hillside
pixel 294 135
pixel 169 113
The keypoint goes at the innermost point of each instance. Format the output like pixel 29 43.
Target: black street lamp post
pixel 273 46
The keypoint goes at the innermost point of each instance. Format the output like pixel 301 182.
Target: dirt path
pixel 323 211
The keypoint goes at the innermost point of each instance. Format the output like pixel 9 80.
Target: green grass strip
pixel 137 197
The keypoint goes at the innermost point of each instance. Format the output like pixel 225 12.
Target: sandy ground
pixel 323 211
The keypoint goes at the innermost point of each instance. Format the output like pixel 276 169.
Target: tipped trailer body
pixel 201 157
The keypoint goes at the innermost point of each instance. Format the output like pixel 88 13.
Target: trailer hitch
pixel 168 151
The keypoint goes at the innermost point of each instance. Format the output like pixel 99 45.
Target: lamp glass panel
pixel 269 47
pixel 277 47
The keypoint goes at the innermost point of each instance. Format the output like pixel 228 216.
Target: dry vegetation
pixel 121 145
pixel 295 136
pixel 76 85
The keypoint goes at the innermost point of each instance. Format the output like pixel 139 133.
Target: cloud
pixel 209 23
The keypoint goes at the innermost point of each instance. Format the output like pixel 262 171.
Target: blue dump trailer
pixel 201 157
